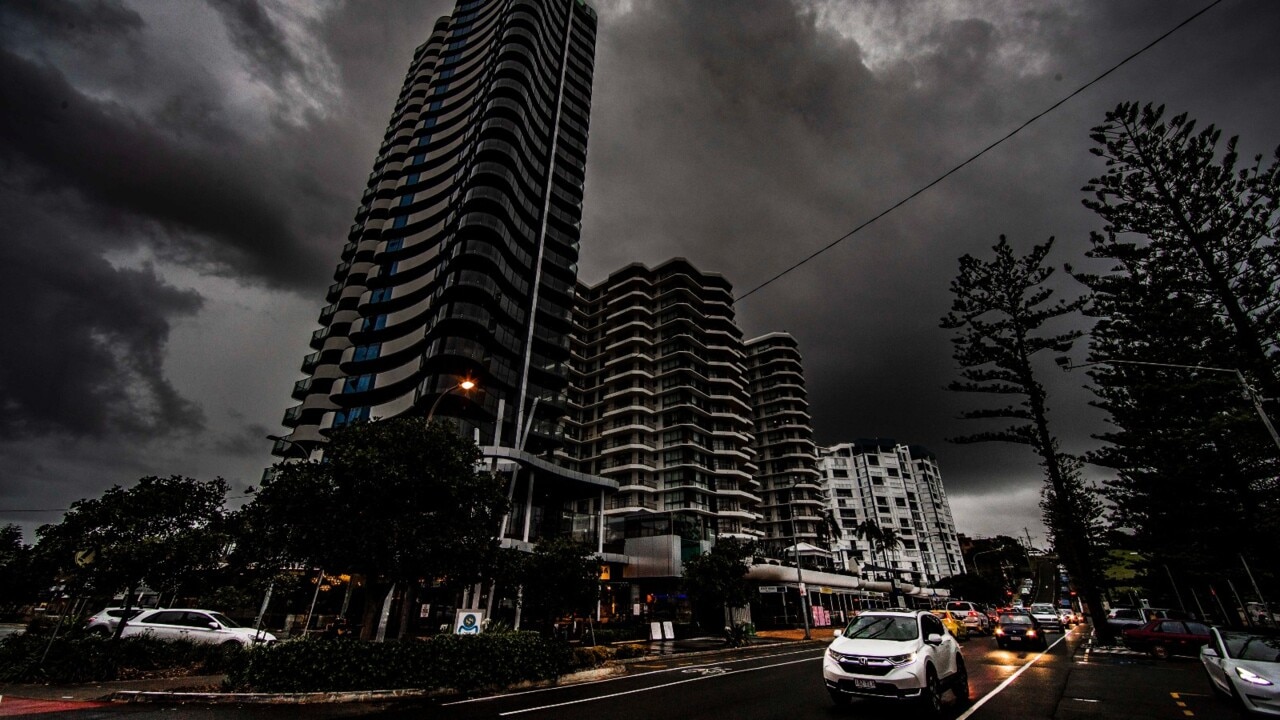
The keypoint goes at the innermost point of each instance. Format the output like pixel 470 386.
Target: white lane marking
pixel 682 668
pixel 653 687
pixel 1009 680
pixel 705 671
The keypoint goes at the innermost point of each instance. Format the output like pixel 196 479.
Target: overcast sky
pixel 177 179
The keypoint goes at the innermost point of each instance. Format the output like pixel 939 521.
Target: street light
pixel 302 451
pixel 465 385
pixel 795 540
pixel 1254 396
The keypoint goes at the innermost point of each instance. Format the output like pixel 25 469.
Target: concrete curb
pixel 135 696
pixel 316 698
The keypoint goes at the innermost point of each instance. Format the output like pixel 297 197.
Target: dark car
pixel 1020 630
pixel 1163 638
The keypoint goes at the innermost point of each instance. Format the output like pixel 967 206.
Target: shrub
pixel 458 662
pixel 585 658
pixel 79 659
pixel 630 650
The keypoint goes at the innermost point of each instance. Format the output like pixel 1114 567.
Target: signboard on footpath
pixel 468 622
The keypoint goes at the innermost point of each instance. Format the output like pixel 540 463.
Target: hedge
pixel 456 662
pixel 73 659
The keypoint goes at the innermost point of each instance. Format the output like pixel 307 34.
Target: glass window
pixel 400 221
pixel 168 617
pixel 406 199
pixel 367 352
pixel 394 245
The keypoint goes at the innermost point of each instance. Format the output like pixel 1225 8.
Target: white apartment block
pixel 896 486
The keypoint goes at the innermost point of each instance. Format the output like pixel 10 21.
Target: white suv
pixel 895 655
pixel 199 626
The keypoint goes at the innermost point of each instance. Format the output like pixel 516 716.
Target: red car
pixel 1163 638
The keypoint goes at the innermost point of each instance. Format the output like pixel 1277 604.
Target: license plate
pixel 1015 638
pixel 864 684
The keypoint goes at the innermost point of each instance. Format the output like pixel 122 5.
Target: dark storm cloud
pixel 79 23
pixel 210 204
pixel 93 339
pixel 260 39
pixel 747 135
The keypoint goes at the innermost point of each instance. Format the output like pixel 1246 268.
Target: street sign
pixel 766 589
pixel 84 558
pixel 468 622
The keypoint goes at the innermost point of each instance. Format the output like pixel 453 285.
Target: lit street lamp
pixel 465 385
pixel 1249 391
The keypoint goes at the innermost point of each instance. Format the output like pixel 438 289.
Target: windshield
pixel 1246 646
pixel 224 620
pixel 1043 609
pixel 883 627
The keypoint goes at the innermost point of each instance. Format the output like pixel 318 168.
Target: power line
pixel 977 155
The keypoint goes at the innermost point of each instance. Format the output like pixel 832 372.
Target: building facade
pixel 461 262
pixel 893 486
pixel 659 405
pixel 786 457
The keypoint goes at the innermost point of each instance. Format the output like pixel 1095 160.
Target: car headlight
pixel 900 660
pixel 1251 677
pixel 834 655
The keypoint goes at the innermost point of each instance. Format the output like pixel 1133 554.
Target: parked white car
pixel 1245 666
pixel 201 626
pixel 895 655
pixel 104 621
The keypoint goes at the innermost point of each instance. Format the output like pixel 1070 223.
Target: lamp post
pixel 302 451
pixel 982 552
pixel 464 384
pixel 1254 396
pixel 795 545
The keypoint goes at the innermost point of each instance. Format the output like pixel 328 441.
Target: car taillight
pixel 973 614
pixel 999 631
pixel 1031 633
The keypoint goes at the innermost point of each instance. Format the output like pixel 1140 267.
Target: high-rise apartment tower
pixel 462 259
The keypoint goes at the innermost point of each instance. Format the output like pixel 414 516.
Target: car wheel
pixel 1160 652
pixel 931 695
pixel 839 698
pixel 960 683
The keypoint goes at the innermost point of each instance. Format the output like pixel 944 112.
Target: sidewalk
pixel 103 690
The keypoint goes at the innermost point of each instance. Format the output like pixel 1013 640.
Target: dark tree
pixel 20 580
pixel 1191 242
pixel 396 501
pixel 717 579
pixel 1211 226
pixel 1000 309
pixel 560 578
pixel 162 533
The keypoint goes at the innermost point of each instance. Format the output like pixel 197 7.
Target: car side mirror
pixel 836 633
pixel 934 639
pixel 1209 652
pixel 214 626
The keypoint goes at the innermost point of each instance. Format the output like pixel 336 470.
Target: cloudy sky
pixel 176 179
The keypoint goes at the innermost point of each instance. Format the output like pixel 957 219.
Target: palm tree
pixel 870 531
pixel 829 529
pixel 890 540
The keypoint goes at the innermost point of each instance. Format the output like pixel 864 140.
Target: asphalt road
pixel 784 682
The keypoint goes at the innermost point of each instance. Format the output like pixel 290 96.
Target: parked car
pixel 973 616
pixel 1125 618
pixel 953 623
pixel 201 626
pixel 1047 616
pixel 1020 630
pixel 895 655
pixel 1244 665
pixel 1163 638
pixel 104 621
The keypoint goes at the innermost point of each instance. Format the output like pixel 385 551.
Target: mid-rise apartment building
pixel 786 457
pixel 894 486
pixel 659 404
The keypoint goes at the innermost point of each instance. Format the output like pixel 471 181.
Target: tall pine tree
pixel 1192 282
pixel 999 310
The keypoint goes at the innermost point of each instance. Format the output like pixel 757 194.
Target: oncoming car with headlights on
pixel 895 655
